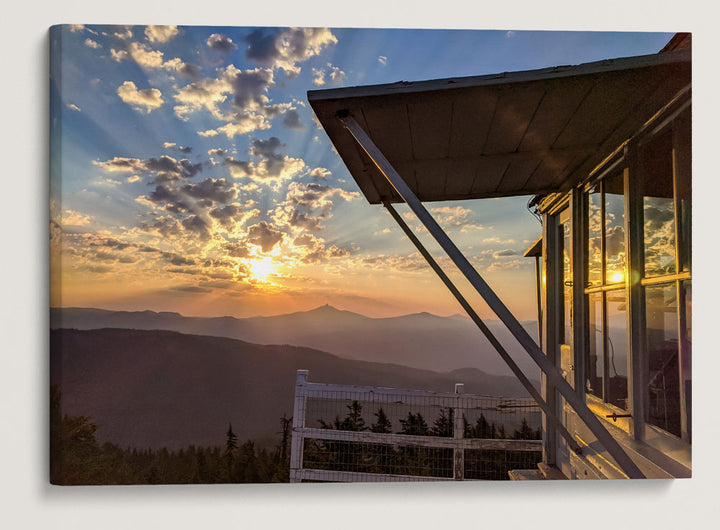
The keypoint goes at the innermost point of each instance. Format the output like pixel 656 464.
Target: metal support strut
pixel 485 330
pixel 498 307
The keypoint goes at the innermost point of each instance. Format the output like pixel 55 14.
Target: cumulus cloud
pixel 505 253
pixel 242 124
pixel 163 169
pixel 307 205
pixel 221 43
pixel 264 236
pixel 335 74
pixel 72 106
pixel 123 33
pixel 197 226
pixel 168 145
pixel 292 121
pixel 218 190
pixel 73 218
pixel 382 60
pixel 237 97
pixel 122 165
pixel 92 44
pixel 318 77
pixel 284 48
pixel 314 249
pixel 146 100
pixel 320 174
pixel 217 152
pixel 151 59
pixel 271 166
pixel 161 34
pixel 237 250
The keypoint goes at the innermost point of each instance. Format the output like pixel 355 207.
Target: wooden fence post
pixel 296 448
pixel 458 433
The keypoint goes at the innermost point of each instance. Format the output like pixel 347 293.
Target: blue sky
pixel 188 173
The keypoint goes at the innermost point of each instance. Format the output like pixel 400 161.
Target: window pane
pixel 616 350
pixel 658 207
pixel 614 229
pixel 662 340
pixel 594 362
pixel 682 157
pixel 687 355
pixel 594 223
pixel 567 283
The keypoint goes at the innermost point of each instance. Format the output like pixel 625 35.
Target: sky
pixel 189 174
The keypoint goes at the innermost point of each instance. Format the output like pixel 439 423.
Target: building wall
pixel 618 319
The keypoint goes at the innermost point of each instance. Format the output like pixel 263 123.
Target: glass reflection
pixel 662 341
pixel 687 356
pixel 658 207
pixel 594 248
pixel 567 283
pixel 616 348
pixel 594 361
pixel 614 229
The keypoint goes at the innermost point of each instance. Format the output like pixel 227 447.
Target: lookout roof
pixel 517 133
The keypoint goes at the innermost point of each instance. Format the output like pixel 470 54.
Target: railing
pixel 368 434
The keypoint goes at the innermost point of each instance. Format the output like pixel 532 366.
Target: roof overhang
pixel 519 133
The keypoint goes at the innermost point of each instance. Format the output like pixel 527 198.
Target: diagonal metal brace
pixel 485 330
pixel 521 335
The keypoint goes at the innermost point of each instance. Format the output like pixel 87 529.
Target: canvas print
pixel 368 255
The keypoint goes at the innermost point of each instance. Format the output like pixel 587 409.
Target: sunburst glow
pixel 261 269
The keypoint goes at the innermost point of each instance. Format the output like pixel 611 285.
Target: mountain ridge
pixel 159 388
pixel 421 340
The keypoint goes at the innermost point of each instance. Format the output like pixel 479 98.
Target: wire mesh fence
pixel 348 434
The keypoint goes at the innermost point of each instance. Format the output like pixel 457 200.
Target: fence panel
pixel 347 433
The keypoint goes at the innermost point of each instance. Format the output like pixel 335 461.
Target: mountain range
pixel 419 340
pixel 159 388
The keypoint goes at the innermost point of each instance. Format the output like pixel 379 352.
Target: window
pixel 607 359
pixel 666 279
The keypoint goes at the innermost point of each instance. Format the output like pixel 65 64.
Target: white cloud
pixel 244 124
pixel 147 99
pixel 124 34
pixel 320 173
pixel 318 77
pixel 161 34
pixel 382 60
pixel 221 43
pixel 92 44
pixel 73 218
pixel 72 106
pixel 122 165
pixel 284 48
pixel 134 178
pixel 148 58
pixel 336 75
pixel 168 145
pixel 237 97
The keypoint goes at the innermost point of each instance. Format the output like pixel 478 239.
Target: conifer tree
pixel 382 424
pixel 444 425
pixel 230 448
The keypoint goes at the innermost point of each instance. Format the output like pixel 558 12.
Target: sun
pixel 262 268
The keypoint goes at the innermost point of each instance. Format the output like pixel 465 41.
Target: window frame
pixel 625 160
